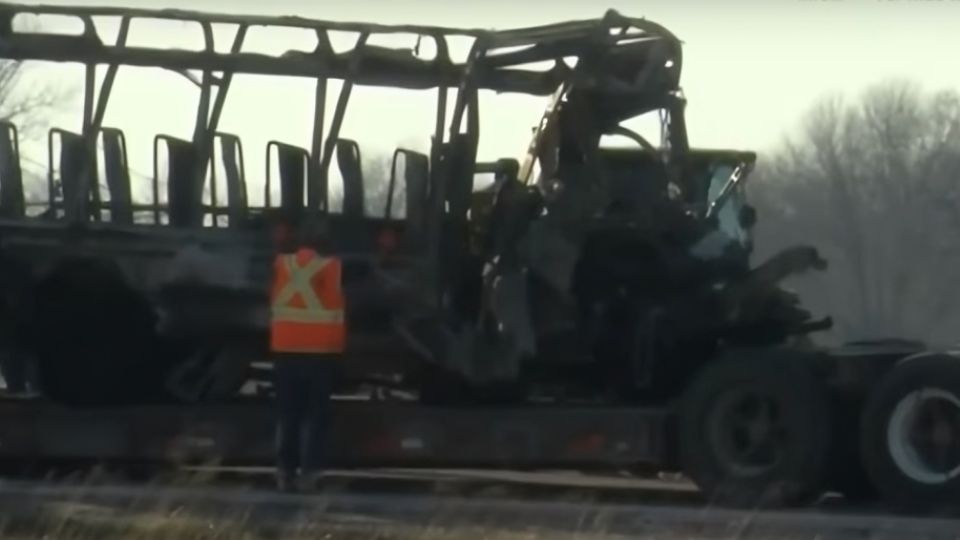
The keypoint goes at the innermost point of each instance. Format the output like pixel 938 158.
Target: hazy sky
pixel 751 67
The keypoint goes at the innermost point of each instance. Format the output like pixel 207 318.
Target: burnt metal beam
pixel 94 109
pixel 106 87
pixel 76 209
pixel 385 67
pixel 547 121
pixel 498 38
pixel 201 125
pixel 226 79
pixel 316 178
pixel 466 83
pixel 204 139
pixel 8 10
pixel 338 115
pixel 413 74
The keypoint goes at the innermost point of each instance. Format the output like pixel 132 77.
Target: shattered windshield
pixel 728 213
pixel 729 229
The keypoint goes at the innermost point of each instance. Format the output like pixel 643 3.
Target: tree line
pixel 874 183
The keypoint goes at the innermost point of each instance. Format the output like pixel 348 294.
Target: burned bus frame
pixel 496 62
pixel 631 66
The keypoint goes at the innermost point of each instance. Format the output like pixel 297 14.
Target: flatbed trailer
pixel 377 430
pixel 364 434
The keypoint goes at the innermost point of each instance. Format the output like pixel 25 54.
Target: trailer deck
pixel 366 434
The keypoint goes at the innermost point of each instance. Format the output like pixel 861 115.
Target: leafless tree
pixel 28 103
pixel 875 184
pixel 377 171
pixel 25 102
pixel 26 107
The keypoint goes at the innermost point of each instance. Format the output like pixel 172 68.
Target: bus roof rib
pixel 377 66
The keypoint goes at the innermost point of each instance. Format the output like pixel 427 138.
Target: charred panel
pixel 231 152
pixel 184 189
pixel 460 178
pixel 118 176
pixel 74 163
pixel 292 161
pixel 351 169
pixel 12 204
pixel 416 171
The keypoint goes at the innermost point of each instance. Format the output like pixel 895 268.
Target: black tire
pixel 897 469
pixel 785 381
pixel 93 337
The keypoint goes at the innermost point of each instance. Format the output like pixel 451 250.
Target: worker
pixel 307 339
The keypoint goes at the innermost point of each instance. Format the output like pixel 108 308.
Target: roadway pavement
pixel 385 509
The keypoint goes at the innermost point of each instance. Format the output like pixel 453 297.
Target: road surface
pixel 24 503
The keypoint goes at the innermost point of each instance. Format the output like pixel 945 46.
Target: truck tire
pixel 754 429
pixel 910 441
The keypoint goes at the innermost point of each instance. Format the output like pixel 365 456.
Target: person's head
pixel 314 233
pixel 284 234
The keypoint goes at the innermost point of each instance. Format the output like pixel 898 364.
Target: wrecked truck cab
pixel 563 297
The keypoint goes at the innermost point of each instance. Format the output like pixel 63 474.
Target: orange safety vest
pixel 307 304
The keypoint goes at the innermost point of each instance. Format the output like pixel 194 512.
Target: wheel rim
pixel 747 433
pixel 923 436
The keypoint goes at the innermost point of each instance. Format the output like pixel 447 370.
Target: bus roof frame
pixel 547 42
pixel 494 63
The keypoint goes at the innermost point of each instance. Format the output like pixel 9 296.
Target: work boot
pixel 287 482
pixel 310 481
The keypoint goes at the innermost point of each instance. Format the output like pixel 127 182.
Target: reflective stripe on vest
pixel 300 282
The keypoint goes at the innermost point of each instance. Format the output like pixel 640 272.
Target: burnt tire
pixel 93 336
pixel 915 407
pixel 725 448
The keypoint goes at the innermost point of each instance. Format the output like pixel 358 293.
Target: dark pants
pixel 303 384
pixel 13 368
